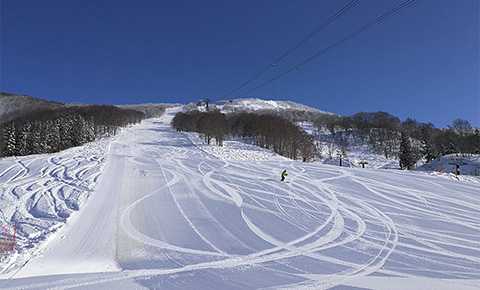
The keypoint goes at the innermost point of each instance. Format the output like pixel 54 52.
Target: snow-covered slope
pixel 39 192
pixel 168 215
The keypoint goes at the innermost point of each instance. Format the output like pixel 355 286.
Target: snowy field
pixel 170 214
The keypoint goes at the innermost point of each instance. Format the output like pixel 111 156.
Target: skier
pixel 284 174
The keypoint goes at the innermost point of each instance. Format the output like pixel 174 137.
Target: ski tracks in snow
pixel 328 226
pixel 355 223
pixel 39 192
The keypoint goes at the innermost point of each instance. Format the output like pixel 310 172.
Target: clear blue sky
pixel 421 63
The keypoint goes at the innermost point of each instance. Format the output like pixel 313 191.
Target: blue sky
pixel 422 63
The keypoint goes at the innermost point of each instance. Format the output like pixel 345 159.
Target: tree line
pixel 409 140
pixel 264 130
pixel 53 130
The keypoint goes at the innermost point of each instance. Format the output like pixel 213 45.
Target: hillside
pixel 166 211
pixel 13 106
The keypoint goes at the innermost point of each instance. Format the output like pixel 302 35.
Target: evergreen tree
pixel 52 136
pixel 66 133
pixel 26 139
pixel 89 130
pixel 427 151
pixel 406 155
pixel 39 143
pixel 2 140
pixel 11 141
pixel 47 131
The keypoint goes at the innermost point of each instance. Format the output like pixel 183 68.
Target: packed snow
pixel 167 213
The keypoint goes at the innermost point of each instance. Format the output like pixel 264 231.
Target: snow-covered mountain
pixel 15 105
pixel 256 104
pixel 12 105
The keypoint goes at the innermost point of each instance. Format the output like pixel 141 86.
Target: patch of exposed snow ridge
pixel 255 104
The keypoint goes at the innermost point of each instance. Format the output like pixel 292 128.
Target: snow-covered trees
pixel 406 155
pixel 54 130
pixel 382 132
pixel 11 143
pixel 379 130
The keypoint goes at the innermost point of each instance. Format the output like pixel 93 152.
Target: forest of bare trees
pixel 264 130
pixel 53 130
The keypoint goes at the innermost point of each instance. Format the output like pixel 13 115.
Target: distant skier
pixel 284 174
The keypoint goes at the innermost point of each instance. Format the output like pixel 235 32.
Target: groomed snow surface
pixel 169 214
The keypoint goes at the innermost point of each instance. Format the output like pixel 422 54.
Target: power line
pixel 379 19
pixel 304 40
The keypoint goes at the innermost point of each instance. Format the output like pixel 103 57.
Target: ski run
pixel 153 208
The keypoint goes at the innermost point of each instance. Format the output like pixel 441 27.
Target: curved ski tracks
pixel 338 224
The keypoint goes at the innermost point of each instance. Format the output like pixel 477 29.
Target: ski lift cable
pixel 378 20
pixel 289 51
